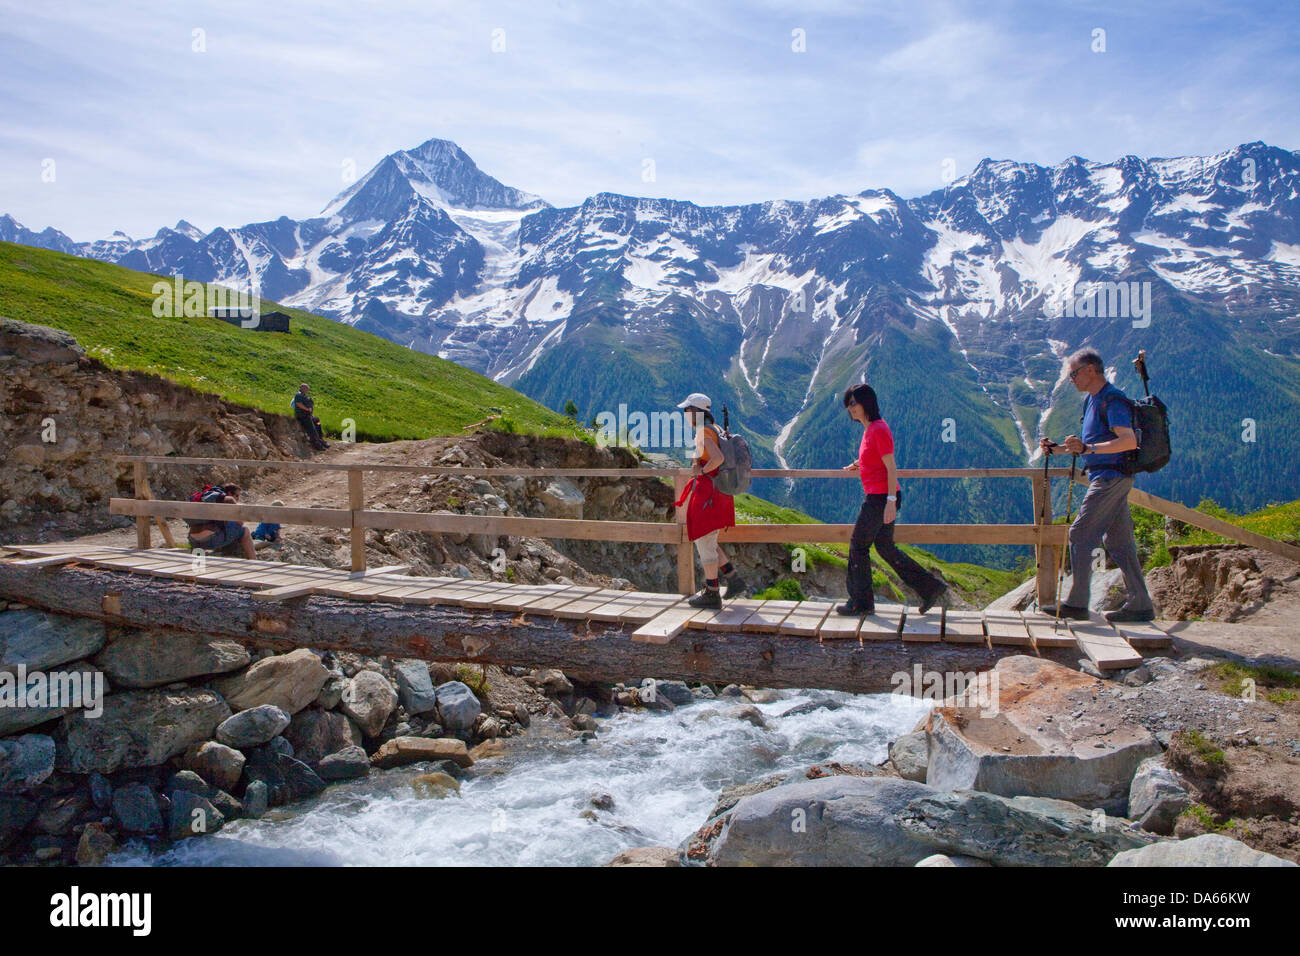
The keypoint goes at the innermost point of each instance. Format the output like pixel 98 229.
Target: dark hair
pixel 865 396
pixel 1088 357
pixel 231 490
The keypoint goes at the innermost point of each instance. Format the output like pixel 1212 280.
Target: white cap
pixel 696 400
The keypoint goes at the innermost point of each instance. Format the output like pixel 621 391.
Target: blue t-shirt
pixel 1117 413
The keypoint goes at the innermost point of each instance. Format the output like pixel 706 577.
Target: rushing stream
pixel 533 806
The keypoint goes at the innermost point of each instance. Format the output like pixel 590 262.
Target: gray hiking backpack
pixel 734 476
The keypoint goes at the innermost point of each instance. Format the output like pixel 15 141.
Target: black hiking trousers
pixel 308 423
pixel 869 529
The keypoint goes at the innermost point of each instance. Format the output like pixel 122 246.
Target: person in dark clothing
pixel 1104 516
pixel 875 525
pixel 303 406
pixel 217 536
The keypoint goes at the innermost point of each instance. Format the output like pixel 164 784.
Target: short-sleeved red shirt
pixel 877 441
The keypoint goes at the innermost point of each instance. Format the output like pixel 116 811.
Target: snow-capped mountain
pixel 959 304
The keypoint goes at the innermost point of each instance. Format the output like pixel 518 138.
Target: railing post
pixel 685 553
pixel 143 539
pixel 1044 554
pixel 357 504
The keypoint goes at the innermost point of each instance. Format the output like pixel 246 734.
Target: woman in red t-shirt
pixel 875 524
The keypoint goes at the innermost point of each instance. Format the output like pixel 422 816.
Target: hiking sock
pixel 725 570
pixel 711 583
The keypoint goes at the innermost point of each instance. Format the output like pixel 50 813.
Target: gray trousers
pixel 1104 518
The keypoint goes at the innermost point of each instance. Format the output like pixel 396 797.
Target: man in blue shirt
pixel 1104 514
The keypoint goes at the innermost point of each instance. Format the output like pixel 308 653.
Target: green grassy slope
pixel 389 391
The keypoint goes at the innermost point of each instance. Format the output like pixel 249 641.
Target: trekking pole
pixel 1042 513
pixel 726 425
pixel 1069 513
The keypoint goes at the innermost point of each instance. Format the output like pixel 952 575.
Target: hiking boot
pixel 1125 616
pixel 931 600
pixel 1067 611
pixel 707 598
pixel 853 610
pixel 735 585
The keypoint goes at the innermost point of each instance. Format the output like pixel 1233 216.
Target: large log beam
pixel 447 633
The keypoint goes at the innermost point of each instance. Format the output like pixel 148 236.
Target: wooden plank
pixel 646 609
pixel 1046 632
pixel 733 615
pixel 767 619
pixel 375 572
pixel 549 605
pixel 1104 646
pixel 581 609
pixel 664 626
pixel 685 557
pixel 804 620
pixel 1208 523
pixel 492 591
pixel 524 598
pixel 1007 628
pixel 923 627
pixel 50 560
pixel 883 625
pixel 612 608
pixel 964 627
pixel 839 627
pixel 1142 635
pixel 285 592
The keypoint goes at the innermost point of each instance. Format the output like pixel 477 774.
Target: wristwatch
pixel 1091 448
pixel 891 497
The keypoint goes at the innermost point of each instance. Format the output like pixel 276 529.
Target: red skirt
pixel 708 509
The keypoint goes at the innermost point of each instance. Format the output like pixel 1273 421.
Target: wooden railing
pixel 1046 538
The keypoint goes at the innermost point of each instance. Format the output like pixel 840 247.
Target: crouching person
pixel 215 536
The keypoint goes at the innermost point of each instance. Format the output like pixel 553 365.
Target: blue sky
pixel 144 130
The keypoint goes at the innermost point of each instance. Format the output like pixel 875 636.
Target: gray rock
pixel 192 815
pixel 256 799
pixel 731 690
pixel 15 813
pixel 730 796
pixel 216 763
pixel 551 682
pixel 831 821
pixel 370 700
pixel 910 755
pixel 676 691
pixel 252 727
pixel 562 499
pixel 290 681
pixel 458 708
pixel 139 658
pixel 748 713
pixel 280 746
pixel 1209 849
pixel 344 764
pixel 940 859
pixel 140 728
pixel 286 778
pixel 647 856
pixel 1157 796
pixel 415 687
pixel 1018 831
pixel 25 761
pixel 81 679
pixel 331 695
pixel 101 791
pixel 43 641
pixel 135 809
pixel 315 734
pixel 59 813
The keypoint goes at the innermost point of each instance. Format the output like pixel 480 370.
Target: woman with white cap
pixel 708 510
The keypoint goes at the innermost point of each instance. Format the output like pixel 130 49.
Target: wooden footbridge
pixel 592 633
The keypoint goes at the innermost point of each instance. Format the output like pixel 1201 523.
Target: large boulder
pixel 219 765
pixel 286 778
pixel 139 658
pixel 289 681
pixel 1157 796
pixel 415 687
pixel 831 821
pixel 315 734
pixel 192 814
pixel 80 682
pixel 344 764
pixel 401 751
pixel 1209 849
pixel 910 755
pixel 42 641
pixel 140 728
pixel 562 499
pixel 25 761
pixel 370 700
pixel 1018 831
pixel 458 708
pixel 252 727
pixel 135 810
pixel 1048 736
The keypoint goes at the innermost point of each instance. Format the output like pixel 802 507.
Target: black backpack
pixel 1150 425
